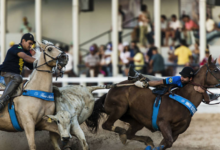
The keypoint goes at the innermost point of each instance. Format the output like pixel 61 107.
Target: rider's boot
pixel 10 88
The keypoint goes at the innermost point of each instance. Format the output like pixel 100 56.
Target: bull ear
pixel 210 60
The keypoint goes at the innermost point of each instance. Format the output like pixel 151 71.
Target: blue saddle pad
pixel 189 105
pixel 47 96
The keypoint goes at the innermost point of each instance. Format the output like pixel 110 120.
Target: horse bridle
pixel 205 87
pixel 46 62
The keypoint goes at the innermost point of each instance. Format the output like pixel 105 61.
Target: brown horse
pixel 135 106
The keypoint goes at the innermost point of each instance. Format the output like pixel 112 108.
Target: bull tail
pixel 93 121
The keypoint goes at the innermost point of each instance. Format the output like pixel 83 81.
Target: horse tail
pixel 93 121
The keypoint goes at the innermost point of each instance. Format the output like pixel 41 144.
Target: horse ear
pixel 42 46
pixel 210 59
pixel 215 61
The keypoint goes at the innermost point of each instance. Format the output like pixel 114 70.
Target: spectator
pixel 121 18
pixel 205 60
pixel 69 66
pixel 149 53
pixel 211 28
pixel 101 55
pixel 174 29
pixel 189 24
pixel 183 54
pixel 219 60
pixel 108 59
pixel 25 27
pixel 143 24
pixel 157 62
pixel 92 62
pixel 219 22
pixel 164 26
pixel 124 56
pixel 196 52
pixel 139 61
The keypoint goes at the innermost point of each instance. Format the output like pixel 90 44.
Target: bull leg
pixel 54 133
pixel 54 138
pixel 78 132
pixel 134 127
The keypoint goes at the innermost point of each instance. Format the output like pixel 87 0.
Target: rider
pixel 16 58
pixel 187 75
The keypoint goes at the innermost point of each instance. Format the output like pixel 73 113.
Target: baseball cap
pixel 187 72
pixel 28 36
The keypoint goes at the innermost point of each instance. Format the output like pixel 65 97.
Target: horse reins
pixel 46 62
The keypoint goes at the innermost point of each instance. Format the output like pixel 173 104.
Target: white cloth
pixel 92 60
pixel 108 59
pixel 124 57
pixel 175 25
pixel 139 84
pixel 210 25
pixel 164 25
pixel 69 65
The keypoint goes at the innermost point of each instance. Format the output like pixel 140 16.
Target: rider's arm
pixel 173 80
pixel 26 57
pixel 156 83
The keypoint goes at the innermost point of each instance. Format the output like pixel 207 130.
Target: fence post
pixel 82 76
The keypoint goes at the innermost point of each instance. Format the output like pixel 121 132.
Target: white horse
pixel 74 105
pixel 30 110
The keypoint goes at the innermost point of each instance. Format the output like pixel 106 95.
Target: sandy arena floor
pixel 203 134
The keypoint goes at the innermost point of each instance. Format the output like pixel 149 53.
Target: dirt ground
pixel 203 134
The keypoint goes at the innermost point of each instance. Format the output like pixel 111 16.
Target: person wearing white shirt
pixel 164 26
pixel 211 29
pixel 175 27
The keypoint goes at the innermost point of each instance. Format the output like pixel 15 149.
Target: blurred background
pixel 104 37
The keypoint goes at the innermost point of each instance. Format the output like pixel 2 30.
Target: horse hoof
pixel 123 138
pixel 149 141
pixel 148 148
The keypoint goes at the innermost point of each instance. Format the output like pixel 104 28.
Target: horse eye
pixel 216 70
pixel 50 49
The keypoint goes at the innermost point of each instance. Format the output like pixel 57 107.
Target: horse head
pixel 212 76
pixel 51 56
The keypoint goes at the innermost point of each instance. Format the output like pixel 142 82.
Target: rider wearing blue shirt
pixel 16 58
pixel 187 75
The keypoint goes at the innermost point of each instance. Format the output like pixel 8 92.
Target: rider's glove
pixel 141 84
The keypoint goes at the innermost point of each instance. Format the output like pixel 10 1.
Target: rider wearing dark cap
pixel 16 58
pixel 187 75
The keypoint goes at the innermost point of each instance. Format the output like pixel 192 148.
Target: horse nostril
pixel 66 138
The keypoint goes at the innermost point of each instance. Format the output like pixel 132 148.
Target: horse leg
pixel 54 138
pixel 166 131
pixel 134 127
pixel 29 127
pixel 78 132
pixel 115 114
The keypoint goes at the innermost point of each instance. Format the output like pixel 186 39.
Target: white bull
pixel 74 104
